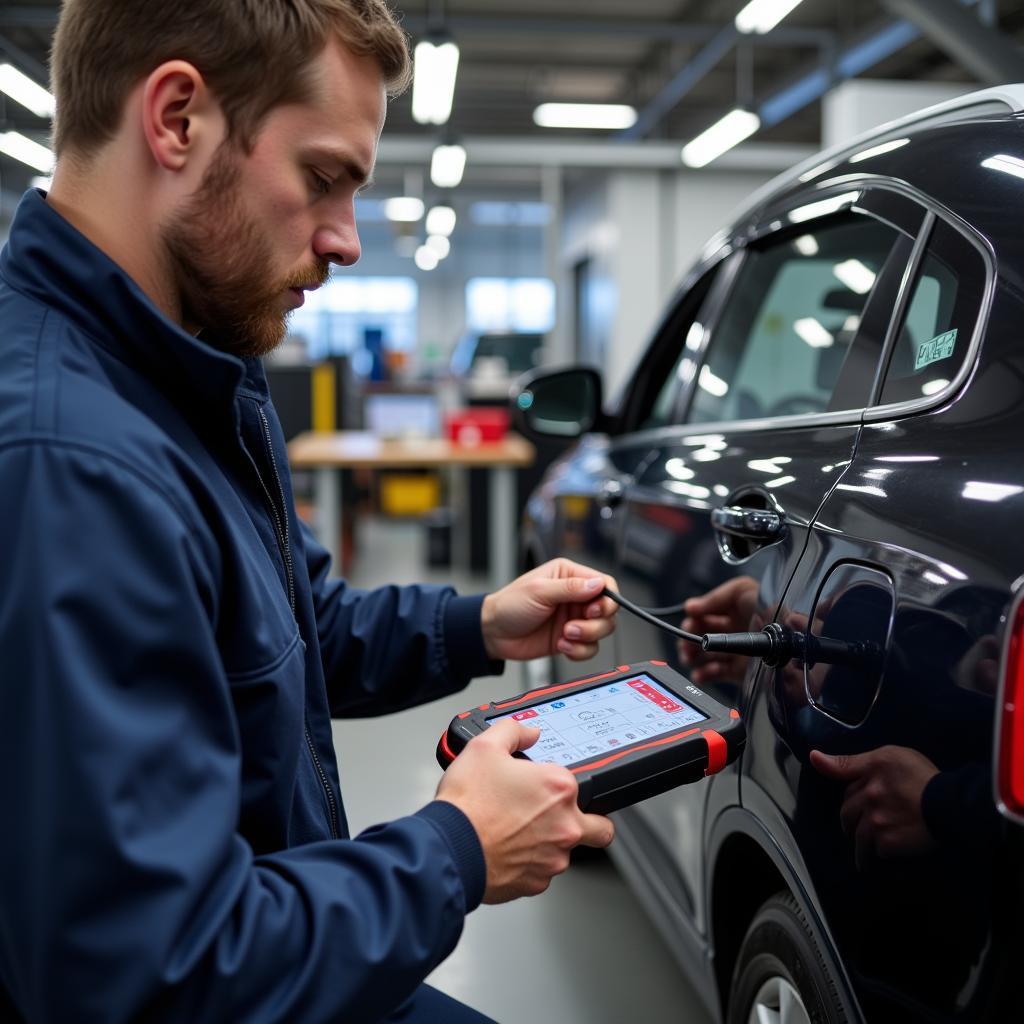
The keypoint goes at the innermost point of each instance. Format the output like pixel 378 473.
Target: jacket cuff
pixel 467 853
pixel 464 640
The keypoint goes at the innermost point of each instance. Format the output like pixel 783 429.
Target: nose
pixel 337 240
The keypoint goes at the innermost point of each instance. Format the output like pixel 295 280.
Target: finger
pixel 512 736
pixel 853 809
pixel 841 767
pixel 578 631
pixel 570 590
pixel 598 831
pixel 606 608
pixel 576 651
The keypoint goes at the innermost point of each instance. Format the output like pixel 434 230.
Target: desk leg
pixel 504 537
pixel 327 495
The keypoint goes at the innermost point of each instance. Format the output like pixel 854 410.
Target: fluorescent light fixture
pixel 762 16
pixel 433 84
pixel 857 277
pixel 934 577
pixel 933 387
pixel 440 220
pixel 426 259
pixel 907 458
pixel 1007 164
pixel 439 245
pixel 688 490
pixel 584 115
pixel 711 384
pixel 43 181
pixel 16 145
pixel 769 466
pixel 731 130
pixel 447 166
pixel 875 492
pixel 695 336
pixel 822 207
pixel 811 331
pixel 22 89
pixel 779 481
pixel 807 245
pixel 679 469
pixel 406 209
pixel 980 491
pixel 706 455
pixel 884 147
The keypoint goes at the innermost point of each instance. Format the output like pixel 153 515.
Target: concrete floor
pixel 583 952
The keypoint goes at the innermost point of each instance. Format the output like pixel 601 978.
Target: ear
pixel 179 114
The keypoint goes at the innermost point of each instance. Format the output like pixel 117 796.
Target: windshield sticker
pixel 936 349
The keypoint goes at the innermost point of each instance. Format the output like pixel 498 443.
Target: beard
pixel 219 257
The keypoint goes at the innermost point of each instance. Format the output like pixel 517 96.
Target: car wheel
pixel 781 976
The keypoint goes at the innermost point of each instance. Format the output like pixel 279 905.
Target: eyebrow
pixel 362 176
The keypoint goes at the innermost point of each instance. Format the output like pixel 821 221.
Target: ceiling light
pixel 16 145
pixel 762 16
pixel 407 209
pixel 885 147
pixel 811 331
pixel 584 115
pixel 933 387
pixel 447 165
pixel 857 277
pixel 720 137
pixel 822 207
pixel 439 245
pixel 711 384
pixel 426 259
pixel 980 491
pixel 26 92
pixel 440 220
pixel 433 85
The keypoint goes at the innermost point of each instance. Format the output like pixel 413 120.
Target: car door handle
pixel 752 523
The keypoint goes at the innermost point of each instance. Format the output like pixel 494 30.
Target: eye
pixel 320 184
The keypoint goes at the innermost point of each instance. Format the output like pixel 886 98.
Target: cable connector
pixel 773 645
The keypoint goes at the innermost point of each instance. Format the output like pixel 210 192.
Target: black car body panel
pixel 902 501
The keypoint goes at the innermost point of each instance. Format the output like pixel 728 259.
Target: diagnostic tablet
pixel 626 735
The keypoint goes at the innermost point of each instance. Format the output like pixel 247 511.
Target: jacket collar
pixel 49 260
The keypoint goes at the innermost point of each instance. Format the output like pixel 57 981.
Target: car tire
pixel 781 975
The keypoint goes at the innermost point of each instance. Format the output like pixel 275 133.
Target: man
pixel 173 840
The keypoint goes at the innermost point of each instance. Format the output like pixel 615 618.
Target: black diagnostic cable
pixel 775 645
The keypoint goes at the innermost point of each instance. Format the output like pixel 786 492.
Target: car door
pixel 765 426
pixel 912 558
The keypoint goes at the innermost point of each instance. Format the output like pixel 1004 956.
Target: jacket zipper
pixel 281 528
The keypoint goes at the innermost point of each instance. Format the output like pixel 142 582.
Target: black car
pixel 827 432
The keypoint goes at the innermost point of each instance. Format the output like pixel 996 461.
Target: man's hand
pixel 728 608
pixel 882 804
pixel 555 608
pixel 524 813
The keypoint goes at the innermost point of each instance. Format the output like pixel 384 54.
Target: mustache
pixel 315 277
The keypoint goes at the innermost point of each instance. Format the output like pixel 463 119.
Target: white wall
pixel 642 230
pixel 861 104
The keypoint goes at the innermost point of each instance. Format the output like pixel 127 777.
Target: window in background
pixel 510 304
pixel 336 317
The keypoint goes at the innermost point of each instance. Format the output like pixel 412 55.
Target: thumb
pixel 571 590
pixel 512 736
pixel 841 767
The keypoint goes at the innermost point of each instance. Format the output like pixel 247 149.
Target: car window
pixel 789 321
pixel 940 318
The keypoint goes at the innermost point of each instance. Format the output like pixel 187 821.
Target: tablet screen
pixel 581 725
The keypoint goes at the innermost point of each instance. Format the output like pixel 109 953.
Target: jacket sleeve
pixel 391 648
pixel 125 890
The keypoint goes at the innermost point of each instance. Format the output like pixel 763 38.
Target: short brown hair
pixel 254 55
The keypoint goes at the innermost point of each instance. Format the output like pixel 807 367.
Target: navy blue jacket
pixel 171 653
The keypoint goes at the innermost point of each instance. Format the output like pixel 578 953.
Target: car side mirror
pixel 558 403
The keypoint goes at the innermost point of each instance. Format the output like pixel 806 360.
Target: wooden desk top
pixel 348 449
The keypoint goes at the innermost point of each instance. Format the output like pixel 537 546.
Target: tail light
pixel 1010 726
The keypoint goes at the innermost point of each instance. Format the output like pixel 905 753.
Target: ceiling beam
pixel 986 53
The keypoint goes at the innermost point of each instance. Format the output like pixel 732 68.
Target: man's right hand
pixel 524 813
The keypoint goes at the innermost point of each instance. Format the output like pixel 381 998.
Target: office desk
pixel 327 454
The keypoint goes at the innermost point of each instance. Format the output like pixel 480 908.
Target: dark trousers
pixel 429 1006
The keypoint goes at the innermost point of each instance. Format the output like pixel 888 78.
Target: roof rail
pixel 1006 99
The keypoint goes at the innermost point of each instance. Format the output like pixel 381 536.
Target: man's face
pixel 266 225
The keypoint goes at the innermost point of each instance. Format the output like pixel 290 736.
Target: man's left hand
pixel 556 608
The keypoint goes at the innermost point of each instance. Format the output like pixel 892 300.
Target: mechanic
pixel 174 842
